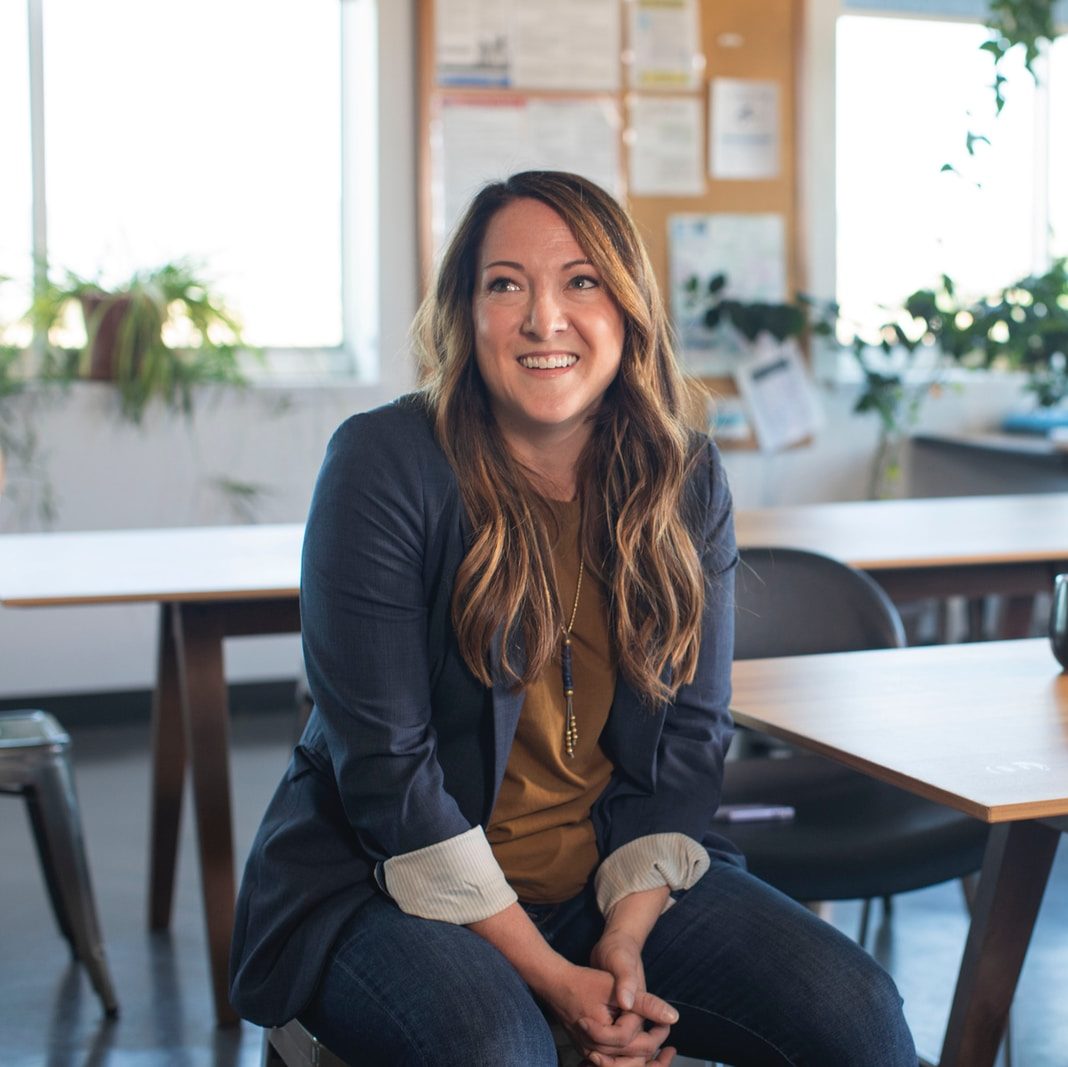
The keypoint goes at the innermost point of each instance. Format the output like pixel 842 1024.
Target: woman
pixel 516 606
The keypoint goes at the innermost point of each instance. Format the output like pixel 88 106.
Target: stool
pixel 293 1046
pixel 35 763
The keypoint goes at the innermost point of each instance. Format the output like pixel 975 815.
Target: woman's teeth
pixel 547 362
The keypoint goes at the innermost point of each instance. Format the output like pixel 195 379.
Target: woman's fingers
pixel 627 1039
pixel 654 1009
pixel 617 1034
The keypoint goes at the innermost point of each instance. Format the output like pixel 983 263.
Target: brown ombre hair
pixel 630 477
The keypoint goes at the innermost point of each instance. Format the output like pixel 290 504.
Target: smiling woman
pixel 516 605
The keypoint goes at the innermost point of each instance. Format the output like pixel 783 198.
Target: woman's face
pixel 548 337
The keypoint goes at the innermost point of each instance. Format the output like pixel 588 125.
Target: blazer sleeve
pixel 677 792
pixel 364 623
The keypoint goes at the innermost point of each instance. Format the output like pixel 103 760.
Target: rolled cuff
pixel 455 881
pixel 649 862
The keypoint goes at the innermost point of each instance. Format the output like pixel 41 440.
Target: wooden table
pixel 980 727
pixel 939 546
pixel 210 583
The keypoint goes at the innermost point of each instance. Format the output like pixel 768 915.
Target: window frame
pixel 356 358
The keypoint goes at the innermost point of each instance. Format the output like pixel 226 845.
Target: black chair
pixel 852 838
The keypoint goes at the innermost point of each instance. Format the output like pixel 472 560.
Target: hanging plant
pixel 1012 23
pixel 1026 24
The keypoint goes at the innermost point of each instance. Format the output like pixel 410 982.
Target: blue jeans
pixel 756 978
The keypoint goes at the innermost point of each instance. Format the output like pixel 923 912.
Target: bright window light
pixel 908 93
pixel 207 129
pixel 1058 148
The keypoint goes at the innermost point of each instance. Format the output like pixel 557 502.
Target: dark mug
pixel 1058 620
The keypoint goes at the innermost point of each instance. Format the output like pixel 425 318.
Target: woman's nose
pixel 545 316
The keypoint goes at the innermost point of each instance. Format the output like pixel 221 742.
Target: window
pixel 908 92
pixel 217 130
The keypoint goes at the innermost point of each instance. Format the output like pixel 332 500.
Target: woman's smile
pixel 549 361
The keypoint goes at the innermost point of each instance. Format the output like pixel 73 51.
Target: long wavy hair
pixel 630 477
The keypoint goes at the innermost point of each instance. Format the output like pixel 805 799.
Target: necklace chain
pixel 570 725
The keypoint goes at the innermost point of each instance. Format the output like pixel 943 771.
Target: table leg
pixel 168 776
pixel 1016 867
pixel 199 632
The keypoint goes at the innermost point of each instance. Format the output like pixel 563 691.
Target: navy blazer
pixel 405 747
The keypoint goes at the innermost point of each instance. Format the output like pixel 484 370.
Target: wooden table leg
pixel 199 632
pixel 168 776
pixel 1016 868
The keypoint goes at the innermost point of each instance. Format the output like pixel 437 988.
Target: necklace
pixel 570 726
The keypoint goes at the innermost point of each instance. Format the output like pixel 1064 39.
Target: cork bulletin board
pixel 471 100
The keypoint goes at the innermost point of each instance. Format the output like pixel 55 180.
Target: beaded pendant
pixel 570 725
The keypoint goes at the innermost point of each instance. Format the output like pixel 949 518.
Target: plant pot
pixel 104 318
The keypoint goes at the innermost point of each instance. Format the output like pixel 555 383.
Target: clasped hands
pixel 606 1008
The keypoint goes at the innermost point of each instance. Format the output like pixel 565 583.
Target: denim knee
pixel 493 1034
pixel 866 1024
pixel 399 991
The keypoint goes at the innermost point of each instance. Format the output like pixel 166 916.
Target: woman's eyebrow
pixel 511 264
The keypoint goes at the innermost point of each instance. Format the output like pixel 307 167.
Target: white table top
pixel 919 533
pixel 117 566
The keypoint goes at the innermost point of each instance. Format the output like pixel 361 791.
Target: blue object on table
pixel 1039 421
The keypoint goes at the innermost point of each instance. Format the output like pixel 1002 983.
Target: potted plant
pixel 156 335
pixel 749 317
pixel 1021 327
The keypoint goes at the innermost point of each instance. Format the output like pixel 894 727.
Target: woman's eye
pixel 584 281
pixel 502 285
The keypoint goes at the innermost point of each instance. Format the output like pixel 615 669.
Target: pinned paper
pixel 775 387
pixel 665 146
pixel 744 129
pixel 663 35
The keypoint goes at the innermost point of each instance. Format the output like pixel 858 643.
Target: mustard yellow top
pixel 540 829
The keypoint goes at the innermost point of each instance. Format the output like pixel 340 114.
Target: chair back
pixel 790 602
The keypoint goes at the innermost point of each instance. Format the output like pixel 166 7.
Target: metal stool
pixel 293 1046
pixel 35 763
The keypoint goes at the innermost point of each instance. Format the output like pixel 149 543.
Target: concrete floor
pixel 49 1015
